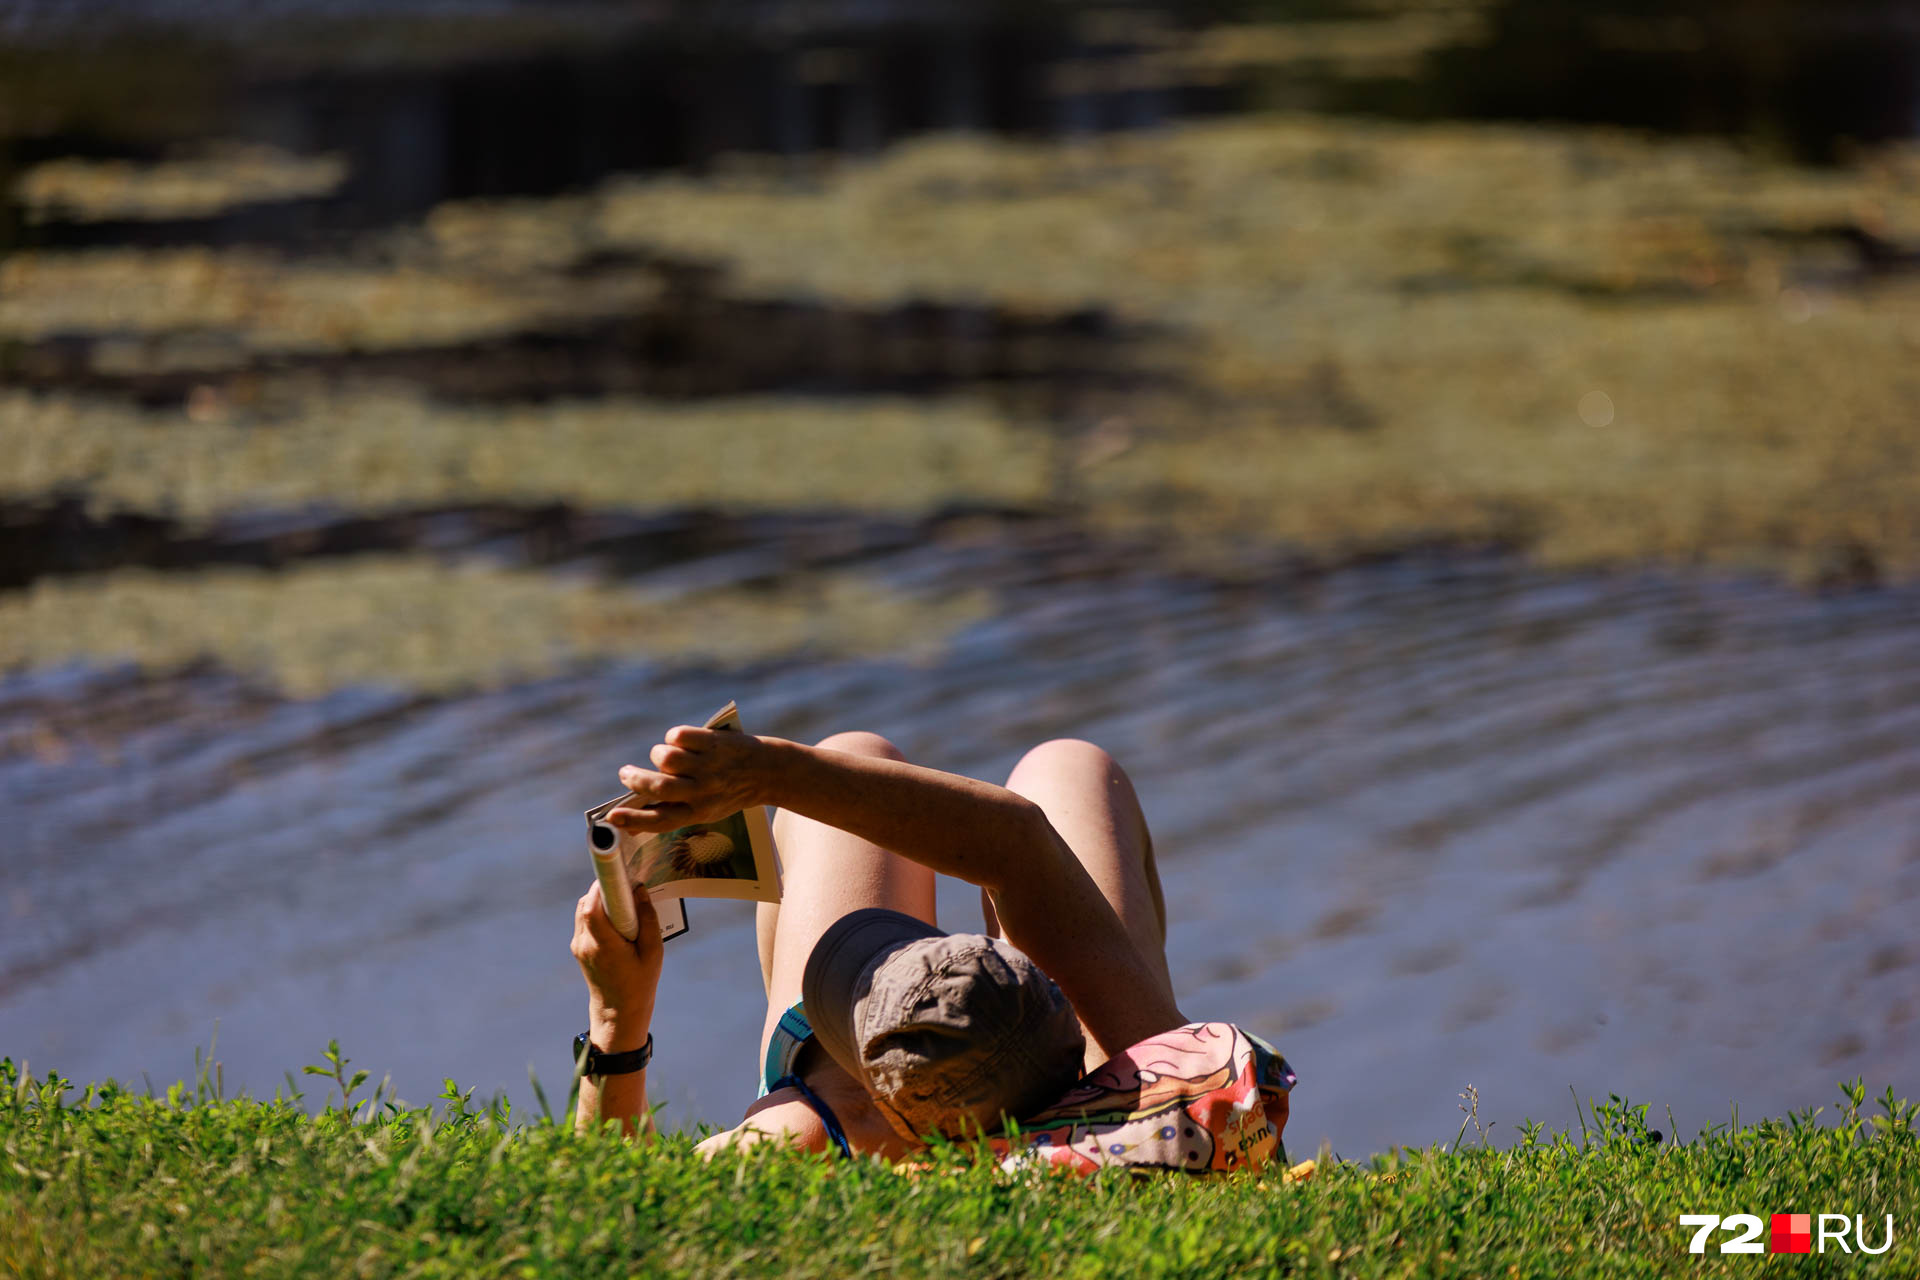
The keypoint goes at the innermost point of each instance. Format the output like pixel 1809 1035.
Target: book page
pixel 730 858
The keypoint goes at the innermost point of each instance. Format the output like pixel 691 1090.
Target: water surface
pixel 1427 823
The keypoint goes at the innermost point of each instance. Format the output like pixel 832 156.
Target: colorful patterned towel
pixel 1193 1098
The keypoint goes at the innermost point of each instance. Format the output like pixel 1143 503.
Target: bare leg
pixel 825 874
pixel 1090 801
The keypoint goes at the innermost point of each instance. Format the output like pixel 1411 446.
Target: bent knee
pixel 860 743
pixel 1065 755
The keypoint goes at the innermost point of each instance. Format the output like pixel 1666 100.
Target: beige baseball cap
pixel 951 1033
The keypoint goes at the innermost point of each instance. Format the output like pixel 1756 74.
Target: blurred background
pixel 1463 456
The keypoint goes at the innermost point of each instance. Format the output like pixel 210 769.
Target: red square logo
pixel 1792 1233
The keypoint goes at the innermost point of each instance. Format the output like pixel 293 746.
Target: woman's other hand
pixel 622 977
pixel 698 775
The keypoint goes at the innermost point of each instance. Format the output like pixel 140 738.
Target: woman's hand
pixel 622 977
pixel 699 775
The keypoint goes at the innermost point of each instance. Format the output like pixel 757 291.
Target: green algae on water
pixel 416 623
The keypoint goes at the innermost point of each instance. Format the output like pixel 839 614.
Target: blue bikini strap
pixel 821 1109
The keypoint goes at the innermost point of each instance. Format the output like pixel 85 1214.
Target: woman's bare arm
pixel 987 835
pixel 622 980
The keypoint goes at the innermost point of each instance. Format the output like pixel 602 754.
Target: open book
pixel 731 858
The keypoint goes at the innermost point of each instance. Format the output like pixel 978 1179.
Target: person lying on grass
pixel 882 1031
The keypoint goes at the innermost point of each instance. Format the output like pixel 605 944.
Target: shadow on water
pixel 60 537
pixel 552 110
pixel 671 96
pixel 689 341
pixel 1808 79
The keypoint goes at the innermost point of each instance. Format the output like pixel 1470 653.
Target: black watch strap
pixel 610 1064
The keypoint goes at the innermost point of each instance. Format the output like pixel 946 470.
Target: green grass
pixel 110 1182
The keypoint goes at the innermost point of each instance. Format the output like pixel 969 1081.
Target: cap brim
pixel 846 955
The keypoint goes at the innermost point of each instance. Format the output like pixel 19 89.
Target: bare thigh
pixel 1091 803
pixel 826 873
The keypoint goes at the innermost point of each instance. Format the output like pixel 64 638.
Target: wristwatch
pixel 599 1064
